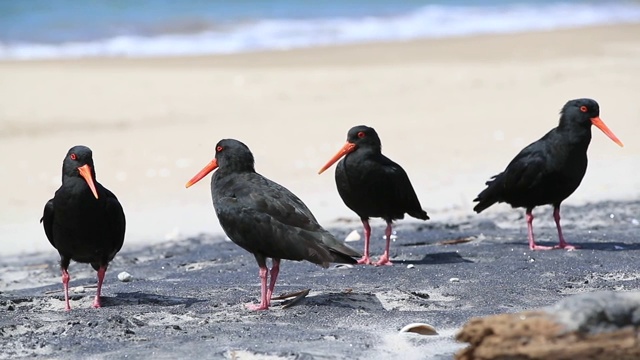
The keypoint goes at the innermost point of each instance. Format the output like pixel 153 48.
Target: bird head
pixel 231 155
pixel 79 163
pixel 586 112
pixel 360 136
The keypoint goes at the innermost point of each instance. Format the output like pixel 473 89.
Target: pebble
pixel 78 289
pixel 125 276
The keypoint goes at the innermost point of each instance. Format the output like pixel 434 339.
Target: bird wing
pixel 47 221
pixel 273 199
pixel 117 222
pixel 262 232
pixel 396 178
pixel 526 170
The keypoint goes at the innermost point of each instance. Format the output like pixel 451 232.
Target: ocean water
pixel 37 29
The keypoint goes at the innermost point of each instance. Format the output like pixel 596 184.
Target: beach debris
pixel 353 236
pixel 460 240
pixel 410 266
pixel 290 295
pixel 78 289
pixel 454 280
pixel 635 222
pixel 125 276
pixel 419 328
pixel 297 297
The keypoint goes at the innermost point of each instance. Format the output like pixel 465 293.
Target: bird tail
pixel 341 252
pixel 420 214
pixel 490 195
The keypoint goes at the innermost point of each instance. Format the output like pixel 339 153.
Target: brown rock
pixel 601 326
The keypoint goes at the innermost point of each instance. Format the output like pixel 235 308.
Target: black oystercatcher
pixel 265 218
pixel 372 185
pixel 84 221
pixel 550 169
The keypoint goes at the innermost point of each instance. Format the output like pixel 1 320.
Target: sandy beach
pixel 452 112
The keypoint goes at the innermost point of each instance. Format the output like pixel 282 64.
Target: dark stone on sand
pixel 592 326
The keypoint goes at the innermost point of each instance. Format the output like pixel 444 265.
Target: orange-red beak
pixel 347 148
pixel 85 172
pixel 207 169
pixel 600 125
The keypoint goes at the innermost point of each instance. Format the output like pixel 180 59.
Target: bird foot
pixel 384 261
pixel 96 304
pixel 365 260
pixel 566 246
pixel 540 247
pixel 67 308
pixel 255 307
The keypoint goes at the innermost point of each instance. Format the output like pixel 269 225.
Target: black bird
pixel 84 221
pixel 265 218
pixel 550 169
pixel 372 185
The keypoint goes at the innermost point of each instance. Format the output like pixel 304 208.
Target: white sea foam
pixel 426 22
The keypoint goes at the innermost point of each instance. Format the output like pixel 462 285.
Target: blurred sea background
pixel 53 29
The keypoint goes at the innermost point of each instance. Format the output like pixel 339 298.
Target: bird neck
pixel 575 134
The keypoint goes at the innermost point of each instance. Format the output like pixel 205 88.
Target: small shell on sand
pixel 420 328
pixel 353 236
pixel 125 276
pixel 78 289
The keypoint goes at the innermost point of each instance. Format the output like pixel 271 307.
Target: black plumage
pixel 84 221
pixel 372 185
pixel 265 218
pixel 550 169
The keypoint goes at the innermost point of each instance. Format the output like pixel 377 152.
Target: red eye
pixel 361 134
pixel 218 148
pixel 583 108
pixel 73 157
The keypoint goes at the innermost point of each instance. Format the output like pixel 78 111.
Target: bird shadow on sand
pixel 352 300
pixel 140 298
pixel 451 257
pixel 600 246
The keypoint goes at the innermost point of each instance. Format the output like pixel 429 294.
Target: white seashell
pixel 78 289
pixel 410 266
pixel 344 266
pixel 420 328
pixel 454 280
pixel 125 276
pixel 353 236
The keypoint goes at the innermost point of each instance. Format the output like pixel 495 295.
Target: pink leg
pixel 532 243
pixel 384 259
pixel 563 244
pixel 273 276
pixel 367 237
pixel 65 284
pixel 101 272
pixel 264 303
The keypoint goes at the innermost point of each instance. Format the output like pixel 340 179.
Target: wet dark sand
pixel 186 298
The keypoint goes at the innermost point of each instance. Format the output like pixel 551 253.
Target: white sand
pixel 452 112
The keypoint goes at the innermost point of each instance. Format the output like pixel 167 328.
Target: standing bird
pixel 372 185
pixel 265 218
pixel 84 221
pixel 550 169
